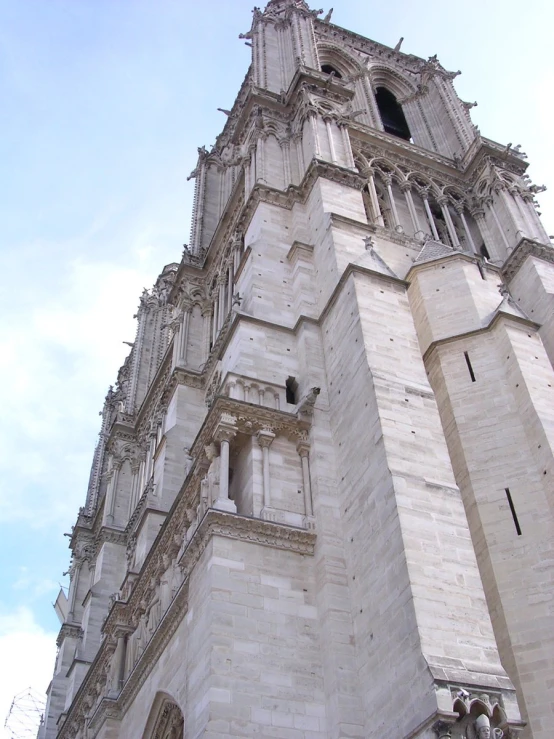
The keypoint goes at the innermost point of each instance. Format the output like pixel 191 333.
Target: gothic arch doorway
pixel 166 720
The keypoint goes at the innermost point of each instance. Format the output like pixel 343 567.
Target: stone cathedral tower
pixel 321 502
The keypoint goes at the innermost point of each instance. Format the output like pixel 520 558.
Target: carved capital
pixel 303 448
pixel 226 429
pixel 265 437
pixel 442 729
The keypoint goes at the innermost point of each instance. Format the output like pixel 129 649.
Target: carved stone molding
pixel 69 631
pixel 526 248
pixel 243 528
pixel 249 419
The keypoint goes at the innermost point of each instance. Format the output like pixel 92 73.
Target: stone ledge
pixel 526 248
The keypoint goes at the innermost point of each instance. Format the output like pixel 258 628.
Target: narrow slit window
pixel 513 510
pixel 469 367
pixel 291 387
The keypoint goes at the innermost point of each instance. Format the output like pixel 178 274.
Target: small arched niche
pixel 329 69
pixel 392 116
pixel 166 720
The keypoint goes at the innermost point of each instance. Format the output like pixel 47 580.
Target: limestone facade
pixel 321 502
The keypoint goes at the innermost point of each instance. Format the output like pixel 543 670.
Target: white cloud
pixel 28 654
pixel 59 353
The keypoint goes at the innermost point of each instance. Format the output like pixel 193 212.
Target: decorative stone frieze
pixel 524 249
pixel 69 631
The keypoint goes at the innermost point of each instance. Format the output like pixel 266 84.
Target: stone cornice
pixel 246 528
pixel 455 255
pixel 299 194
pixel 498 316
pixel 370 141
pixel 111 536
pixel 69 631
pixel 298 248
pixel 526 248
pixel 250 418
pixel 367 46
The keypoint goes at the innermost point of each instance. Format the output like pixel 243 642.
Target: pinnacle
pixel 297 3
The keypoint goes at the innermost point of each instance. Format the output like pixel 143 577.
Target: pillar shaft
pixel 431 219
pixel 265 437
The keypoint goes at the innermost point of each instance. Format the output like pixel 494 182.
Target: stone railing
pixel 258 392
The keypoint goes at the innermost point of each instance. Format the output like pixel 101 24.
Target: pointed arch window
pixel 392 115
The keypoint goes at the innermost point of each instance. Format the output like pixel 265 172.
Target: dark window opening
pixel 470 368
pixel 484 252
pixel 291 389
pixel 513 510
pixel 328 69
pixel 392 115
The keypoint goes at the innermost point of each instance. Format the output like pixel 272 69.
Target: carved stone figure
pixel 153 614
pixel 483 729
pixel 212 476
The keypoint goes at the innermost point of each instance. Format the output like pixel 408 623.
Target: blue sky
pixel 104 104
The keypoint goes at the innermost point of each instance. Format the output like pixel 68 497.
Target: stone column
pixel 221 316
pixel 230 280
pixel 207 328
pixel 265 438
pixel 528 225
pixel 176 342
pixel 226 430
pixel 374 199
pixel 479 214
pixel 285 149
pixel 343 127
pixel 150 455
pixel 430 218
pixel 443 202
pixel 184 335
pixel 313 125
pixel 117 667
pixel 407 190
pixel 303 449
pixel 112 488
pixel 500 229
pixel 466 229
pixel 388 183
pixel 332 149
pixel 511 207
pixel 133 498
pixel 215 313
pixel 74 584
